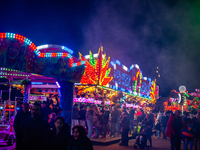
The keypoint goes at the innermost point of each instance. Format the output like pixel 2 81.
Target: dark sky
pixel 150 33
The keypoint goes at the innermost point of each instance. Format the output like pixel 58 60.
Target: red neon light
pixel 78 63
pixel 2 35
pixel 70 62
pixel 42 55
pixel 54 55
pixel 9 110
pixel 64 54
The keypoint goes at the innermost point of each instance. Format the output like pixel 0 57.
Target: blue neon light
pixel 121 78
pixel 67 49
pixel 36 82
pixel 118 62
pixel 112 63
pixel 131 67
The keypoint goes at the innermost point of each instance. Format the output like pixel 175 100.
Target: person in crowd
pixel 197 131
pixel 74 115
pixel 56 109
pixel 96 121
pixel 124 110
pixel 125 123
pixel 186 117
pixel 159 116
pixel 118 121
pixel 187 135
pixel 81 115
pixel 46 111
pixel 151 116
pixel 21 116
pixel 79 140
pixel 154 118
pixel 102 108
pixel 158 128
pixel 131 115
pixel 105 117
pixel 174 126
pixel 19 106
pixel 60 135
pixel 148 122
pixel 138 115
pixel 90 117
pixel 52 117
pixel 114 116
pixel 34 132
pixel 164 121
pixel 143 115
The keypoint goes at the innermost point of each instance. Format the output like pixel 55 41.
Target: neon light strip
pixel 55 46
pixel 36 49
pixel 78 63
pixel 103 87
pixel 20 38
pixel 55 55
pixel 138 73
pixel 58 84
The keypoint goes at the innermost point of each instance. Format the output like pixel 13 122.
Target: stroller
pixel 141 140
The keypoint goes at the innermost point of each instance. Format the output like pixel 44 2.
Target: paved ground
pixel 158 144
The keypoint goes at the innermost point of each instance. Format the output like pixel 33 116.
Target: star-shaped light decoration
pixel 96 71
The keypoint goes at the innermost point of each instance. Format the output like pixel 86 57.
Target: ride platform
pixel 108 140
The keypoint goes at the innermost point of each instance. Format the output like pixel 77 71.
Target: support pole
pixel 66 99
pixel 27 89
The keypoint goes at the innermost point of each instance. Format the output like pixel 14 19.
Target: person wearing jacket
pixel 90 117
pixel 21 116
pixel 148 123
pixel 96 121
pixel 34 132
pixel 114 116
pixel 197 131
pixel 105 117
pixel 174 126
pixel 51 121
pixel 159 116
pixel 131 115
pixel 81 115
pixel 158 127
pixel 164 121
pixel 74 115
pixel 125 123
pixel 60 134
pixel 79 140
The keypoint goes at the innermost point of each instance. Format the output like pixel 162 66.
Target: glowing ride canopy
pixel 19 53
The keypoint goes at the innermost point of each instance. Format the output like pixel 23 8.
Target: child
pixel 158 127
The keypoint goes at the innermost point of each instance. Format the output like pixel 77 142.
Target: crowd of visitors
pixel 34 131
pixel 48 130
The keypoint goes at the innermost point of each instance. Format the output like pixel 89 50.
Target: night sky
pixel 150 33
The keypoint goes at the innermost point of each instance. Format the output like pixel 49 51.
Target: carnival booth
pixel 183 101
pixel 26 66
pixel 108 81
